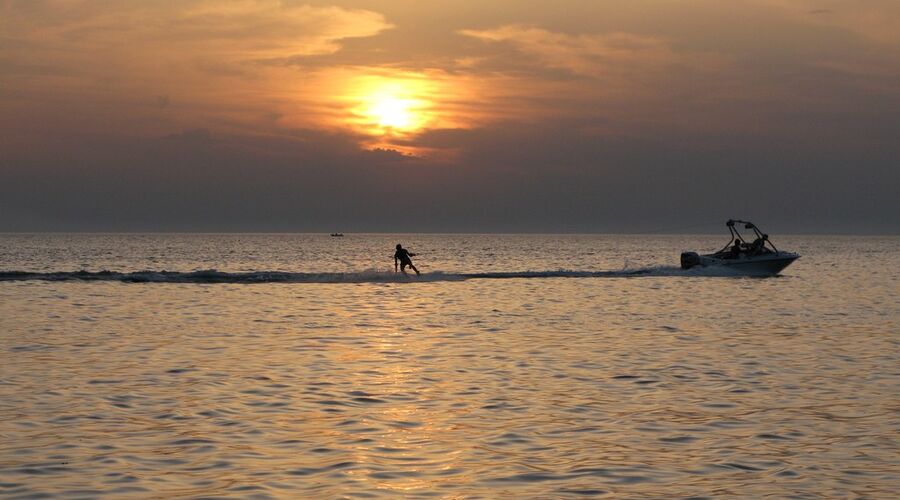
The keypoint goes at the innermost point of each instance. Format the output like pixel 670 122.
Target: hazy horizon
pixel 724 233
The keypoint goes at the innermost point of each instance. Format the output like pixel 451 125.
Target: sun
pixel 398 107
pixel 392 112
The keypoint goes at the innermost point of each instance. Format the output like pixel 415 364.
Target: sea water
pixel 302 366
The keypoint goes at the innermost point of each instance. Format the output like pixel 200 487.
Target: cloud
pixel 226 30
pixel 621 61
pixel 614 83
pixel 594 55
pixel 508 178
pixel 96 63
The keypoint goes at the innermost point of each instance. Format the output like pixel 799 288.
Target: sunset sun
pixel 393 108
pixel 390 107
pixel 392 112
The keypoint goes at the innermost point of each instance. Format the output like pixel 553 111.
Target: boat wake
pixel 371 276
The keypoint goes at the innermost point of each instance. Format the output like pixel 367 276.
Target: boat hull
pixel 758 265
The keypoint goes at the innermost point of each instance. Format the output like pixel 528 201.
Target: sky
pixel 463 116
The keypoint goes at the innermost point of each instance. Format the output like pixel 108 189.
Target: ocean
pixel 516 366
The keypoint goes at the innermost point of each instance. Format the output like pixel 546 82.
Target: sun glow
pixel 391 112
pixel 394 108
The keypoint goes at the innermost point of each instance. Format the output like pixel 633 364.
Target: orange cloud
pixel 107 66
pixel 594 55
pixel 226 30
pixel 617 80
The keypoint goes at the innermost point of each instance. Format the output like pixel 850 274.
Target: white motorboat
pixel 756 258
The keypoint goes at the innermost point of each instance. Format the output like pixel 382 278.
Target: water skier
pixel 402 256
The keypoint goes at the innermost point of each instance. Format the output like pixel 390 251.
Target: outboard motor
pixel 689 260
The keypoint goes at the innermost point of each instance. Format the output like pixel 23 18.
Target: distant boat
pixel 758 258
pixel 337 235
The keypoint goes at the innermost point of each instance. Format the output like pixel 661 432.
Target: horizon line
pixel 498 233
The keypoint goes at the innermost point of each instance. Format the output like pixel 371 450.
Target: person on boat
pixel 758 246
pixel 736 249
pixel 402 257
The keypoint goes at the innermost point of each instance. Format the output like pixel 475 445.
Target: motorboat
pixel 758 258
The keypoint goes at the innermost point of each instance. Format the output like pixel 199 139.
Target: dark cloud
pixel 507 179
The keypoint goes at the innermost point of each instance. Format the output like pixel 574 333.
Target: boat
pixel 756 258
